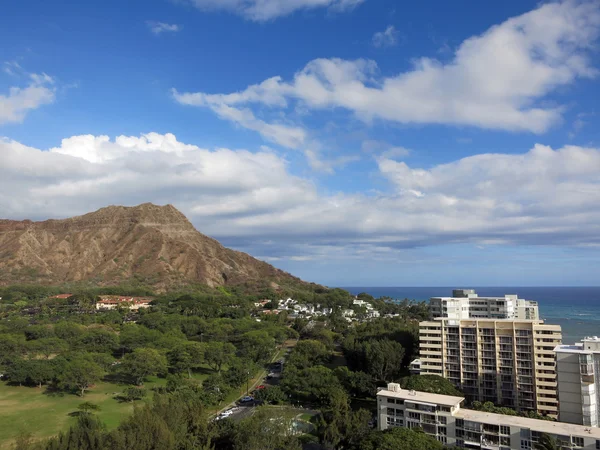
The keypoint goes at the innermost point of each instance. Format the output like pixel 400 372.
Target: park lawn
pixel 25 408
pixel 28 409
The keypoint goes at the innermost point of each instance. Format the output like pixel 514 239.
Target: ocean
pixel 575 309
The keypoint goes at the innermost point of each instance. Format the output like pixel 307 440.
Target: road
pixel 243 410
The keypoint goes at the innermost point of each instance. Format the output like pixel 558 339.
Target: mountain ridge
pixel 151 243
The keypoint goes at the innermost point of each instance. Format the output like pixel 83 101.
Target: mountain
pixel 153 244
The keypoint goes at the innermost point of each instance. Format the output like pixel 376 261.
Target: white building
pixel 363 303
pixel 415 367
pixel 442 417
pixel 578 371
pixel 109 302
pixel 466 304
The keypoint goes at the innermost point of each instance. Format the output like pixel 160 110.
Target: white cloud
pixel 252 201
pixel 19 101
pixel 384 150
pixel 12 68
pixel 386 38
pixel 264 10
pixel 497 80
pixel 161 27
pixel 320 164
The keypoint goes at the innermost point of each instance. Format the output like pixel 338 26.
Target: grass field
pixel 31 409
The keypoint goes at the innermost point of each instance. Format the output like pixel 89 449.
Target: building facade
pixel 507 362
pixel 466 304
pixel 578 372
pixel 442 417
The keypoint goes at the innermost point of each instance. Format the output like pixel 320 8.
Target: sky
pixel 350 142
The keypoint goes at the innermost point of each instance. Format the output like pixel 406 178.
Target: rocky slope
pixel 155 244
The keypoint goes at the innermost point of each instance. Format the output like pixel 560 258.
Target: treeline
pixel 75 352
pixel 310 378
pixel 174 420
pixel 491 408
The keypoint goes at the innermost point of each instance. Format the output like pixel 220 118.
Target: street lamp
pixel 248 382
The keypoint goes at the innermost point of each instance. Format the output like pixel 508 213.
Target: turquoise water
pixel 575 309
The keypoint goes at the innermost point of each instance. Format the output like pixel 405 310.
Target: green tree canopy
pixel 80 373
pixel 433 384
pixel 142 363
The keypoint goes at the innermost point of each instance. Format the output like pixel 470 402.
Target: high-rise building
pixel 466 304
pixel 508 362
pixel 442 417
pixel 578 372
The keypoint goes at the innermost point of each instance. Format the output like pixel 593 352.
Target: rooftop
pixel 424 397
pixel 544 426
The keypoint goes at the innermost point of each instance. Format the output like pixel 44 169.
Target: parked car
pixel 246 399
pixel 262 386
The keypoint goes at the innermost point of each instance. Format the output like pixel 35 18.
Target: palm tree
pixel 547 442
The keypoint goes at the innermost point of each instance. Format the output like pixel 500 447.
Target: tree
pixel 547 442
pixel 433 384
pixel 257 345
pixel 218 354
pixel 18 371
pixel 88 433
pixel 48 346
pixel 267 430
pixel 314 384
pixel 273 395
pixel 40 371
pixel 98 340
pixel 398 438
pixel 142 363
pixel 358 384
pixel 68 331
pixel 11 347
pixel 133 393
pixel 185 356
pixel 88 407
pixel 80 373
pixel 384 358
pixel 308 353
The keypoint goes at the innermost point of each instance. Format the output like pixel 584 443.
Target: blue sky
pixel 351 142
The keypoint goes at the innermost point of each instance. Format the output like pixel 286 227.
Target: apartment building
pixel 578 372
pixel 442 417
pixel 507 362
pixel 466 304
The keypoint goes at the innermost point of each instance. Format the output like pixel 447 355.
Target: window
pixel 442 431
pixel 460 423
pixel 443 439
pixel 443 419
pixel 525 445
pixel 578 441
pixel 504 430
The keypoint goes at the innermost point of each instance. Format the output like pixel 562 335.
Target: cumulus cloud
pixel 252 201
pixel 21 100
pixel 265 10
pixel 497 80
pixel 161 27
pixel 386 38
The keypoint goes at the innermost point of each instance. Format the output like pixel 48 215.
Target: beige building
pixel 466 304
pixel 507 362
pixel 442 417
